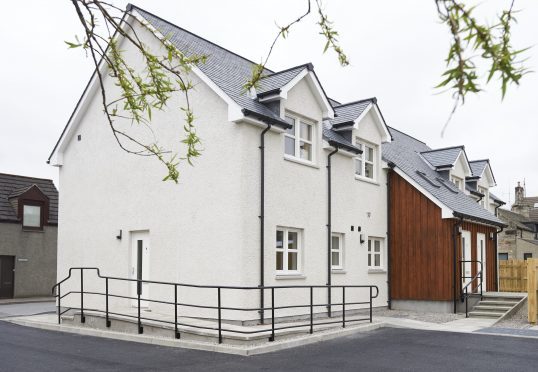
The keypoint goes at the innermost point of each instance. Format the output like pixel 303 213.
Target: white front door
pixel 466 256
pixel 140 264
pixel 481 254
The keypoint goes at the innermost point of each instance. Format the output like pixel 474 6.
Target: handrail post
pixel 138 293
pixel 59 304
pixel 106 303
pixel 220 316
pixel 466 302
pixel 311 309
pixel 272 338
pixel 177 335
pixel 371 304
pixel 343 306
pixel 82 317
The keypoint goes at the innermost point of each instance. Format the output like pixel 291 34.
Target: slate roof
pixel 275 81
pixel 478 166
pixel 230 71
pixel 496 198
pixel 532 202
pixel 348 112
pixel 12 185
pixel 404 151
pixel 442 157
pixel 514 219
pixel 226 69
pixel 336 139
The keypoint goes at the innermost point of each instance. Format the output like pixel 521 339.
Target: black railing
pixel 219 289
pixel 465 290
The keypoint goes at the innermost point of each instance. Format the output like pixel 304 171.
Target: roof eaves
pixel 350 148
pixel 478 219
pixel 267 119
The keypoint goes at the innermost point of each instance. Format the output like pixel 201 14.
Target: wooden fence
pixel 513 276
pixel 532 300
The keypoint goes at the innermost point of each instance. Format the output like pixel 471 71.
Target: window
pixel 375 253
pixel 288 250
pixel 457 181
pixel 337 250
pixel 365 162
pixel 503 256
pixel 298 140
pixel 526 256
pixel 484 200
pixel 31 216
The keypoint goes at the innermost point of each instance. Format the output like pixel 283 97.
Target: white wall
pixel 206 229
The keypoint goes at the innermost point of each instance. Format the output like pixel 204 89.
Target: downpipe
pixel 389 228
pixel 329 231
pixel 262 222
pixel 455 234
pixel 496 258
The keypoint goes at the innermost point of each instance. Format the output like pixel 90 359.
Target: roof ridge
pixel 475 161
pixel 17 175
pixel 445 148
pixel 308 65
pixel 407 135
pixel 372 99
pixel 130 6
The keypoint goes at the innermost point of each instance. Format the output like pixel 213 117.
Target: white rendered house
pixel 219 226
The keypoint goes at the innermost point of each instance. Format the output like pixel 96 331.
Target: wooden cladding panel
pixel 422 247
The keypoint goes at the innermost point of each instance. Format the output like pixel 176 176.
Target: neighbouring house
pixel 28 236
pixel 440 233
pixel 312 212
pixel 520 239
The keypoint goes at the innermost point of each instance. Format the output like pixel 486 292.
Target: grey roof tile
pixel 442 157
pixel 349 112
pixel 12 185
pixel 336 138
pixel 404 151
pixel 227 70
pixel 277 80
pixel 478 166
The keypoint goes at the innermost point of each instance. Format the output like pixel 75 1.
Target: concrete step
pixel 500 303
pixel 485 314
pixel 481 307
pixel 512 298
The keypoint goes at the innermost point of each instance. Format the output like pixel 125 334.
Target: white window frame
pixel 371 253
pixel 361 157
pixel 339 251
pixel 457 181
pixel 297 139
pixel 285 250
pixel 484 202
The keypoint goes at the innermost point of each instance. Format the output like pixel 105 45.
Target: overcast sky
pixel 396 49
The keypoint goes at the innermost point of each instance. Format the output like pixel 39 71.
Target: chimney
pixel 520 193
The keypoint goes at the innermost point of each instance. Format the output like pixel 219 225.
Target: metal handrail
pixel 219 307
pixel 465 290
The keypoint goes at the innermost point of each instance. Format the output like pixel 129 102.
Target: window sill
pixel 301 161
pixel 367 180
pixel 289 276
pixel 377 271
pixel 25 229
pixel 338 271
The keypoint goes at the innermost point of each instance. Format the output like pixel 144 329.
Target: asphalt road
pixel 28 308
pixel 29 349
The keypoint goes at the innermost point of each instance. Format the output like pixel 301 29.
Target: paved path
pixel 28 308
pixel 389 349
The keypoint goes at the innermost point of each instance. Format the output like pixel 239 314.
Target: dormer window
pixel 32 216
pixel 365 163
pixel 457 181
pixel 484 200
pixel 298 140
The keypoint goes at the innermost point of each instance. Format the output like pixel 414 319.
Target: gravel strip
pixel 519 320
pixel 425 317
